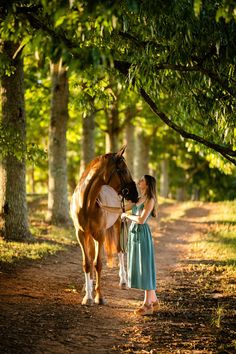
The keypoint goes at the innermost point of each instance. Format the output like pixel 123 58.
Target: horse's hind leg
pixel 84 244
pixel 98 267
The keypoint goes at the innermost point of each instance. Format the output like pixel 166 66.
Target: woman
pixel 140 255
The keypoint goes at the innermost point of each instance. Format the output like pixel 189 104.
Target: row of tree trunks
pixel 14 218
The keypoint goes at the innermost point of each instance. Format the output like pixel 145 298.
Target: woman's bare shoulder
pixel 149 202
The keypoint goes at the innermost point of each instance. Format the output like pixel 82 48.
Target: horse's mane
pixel 95 165
pixel 90 181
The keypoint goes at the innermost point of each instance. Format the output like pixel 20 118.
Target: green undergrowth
pixel 48 239
pixel 219 242
pixel 214 255
pixel 10 252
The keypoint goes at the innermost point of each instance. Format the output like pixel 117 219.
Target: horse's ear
pixel 121 151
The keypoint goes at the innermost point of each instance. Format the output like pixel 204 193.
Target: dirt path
pixel 40 309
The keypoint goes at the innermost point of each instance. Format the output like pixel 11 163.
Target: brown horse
pixel 90 219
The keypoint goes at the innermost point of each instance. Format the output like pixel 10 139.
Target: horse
pixel 90 220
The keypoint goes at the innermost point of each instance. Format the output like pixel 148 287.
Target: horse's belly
pixel 109 197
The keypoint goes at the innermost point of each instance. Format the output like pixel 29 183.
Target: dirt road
pixel 40 310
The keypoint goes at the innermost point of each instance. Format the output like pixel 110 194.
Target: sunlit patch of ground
pixel 40 301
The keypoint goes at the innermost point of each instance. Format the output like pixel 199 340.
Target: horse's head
pixel 119 177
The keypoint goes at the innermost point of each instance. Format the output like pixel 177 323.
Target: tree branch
pixel 226 152
pixel 123 67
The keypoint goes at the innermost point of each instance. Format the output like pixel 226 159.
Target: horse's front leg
pixel 98 267
pixel 122 272
pixel 84 245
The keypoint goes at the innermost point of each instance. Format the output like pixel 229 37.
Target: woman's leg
pixel 153 296
pixel 149 297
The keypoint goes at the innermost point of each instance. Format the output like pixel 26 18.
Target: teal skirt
pixel 140 258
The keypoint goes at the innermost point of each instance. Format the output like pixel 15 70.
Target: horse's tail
pixel 111 243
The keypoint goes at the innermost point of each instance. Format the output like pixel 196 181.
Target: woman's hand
pixel 99 203
pixel 123 216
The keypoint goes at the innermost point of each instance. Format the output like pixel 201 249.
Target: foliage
pixel 181 53
pixel 170 52
pixel 15 251
pixel 48 239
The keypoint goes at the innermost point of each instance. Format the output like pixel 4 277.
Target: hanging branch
pixel 123 67
pixel 226 152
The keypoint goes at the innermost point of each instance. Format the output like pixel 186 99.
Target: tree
pixel 13 205
pixel 58 206
pixel 190 58
pixel 163 48
pixel 88 133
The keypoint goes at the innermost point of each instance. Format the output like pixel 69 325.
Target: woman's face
pixel 142 184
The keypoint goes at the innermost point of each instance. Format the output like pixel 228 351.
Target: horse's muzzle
pixel 130 192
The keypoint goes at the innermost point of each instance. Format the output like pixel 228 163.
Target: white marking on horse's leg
pixel 88 298
pixel 91 285
pixel 122 272
pixel 88 287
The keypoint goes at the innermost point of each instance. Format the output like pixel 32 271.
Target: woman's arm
pixel 115 210
pixel 129 205
pixel 141 219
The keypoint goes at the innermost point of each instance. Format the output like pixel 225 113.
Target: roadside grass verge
pixel 11 252
pixel 213 267
pixel 219 243
pixel 48 239
pixel 214 254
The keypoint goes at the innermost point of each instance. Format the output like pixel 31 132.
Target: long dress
pixel 140 255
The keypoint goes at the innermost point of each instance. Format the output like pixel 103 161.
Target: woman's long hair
pixel 151 192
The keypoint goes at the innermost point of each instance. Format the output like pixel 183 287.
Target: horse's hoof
pixel 86 301
pixel 123 286
pixel 100 301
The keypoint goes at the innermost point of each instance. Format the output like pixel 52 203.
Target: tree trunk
pixel 181 194
pixel 13 204
pixel 88 133
pixel 141 155
pixel 112 136
pixel 164 180
pixel 58 206
pixel 130 146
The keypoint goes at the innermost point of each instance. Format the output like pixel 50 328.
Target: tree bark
pixel 181 194
pixel 58 206
pixel 164 180
pixel 141 155
pixel 130 146
pixel 13 204
pixel 113 129
pixel 88 134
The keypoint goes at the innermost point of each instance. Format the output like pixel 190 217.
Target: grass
pixel 48 239
pixel 217 316
pixel 11 252
pixel 219 243
pixel 215 252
